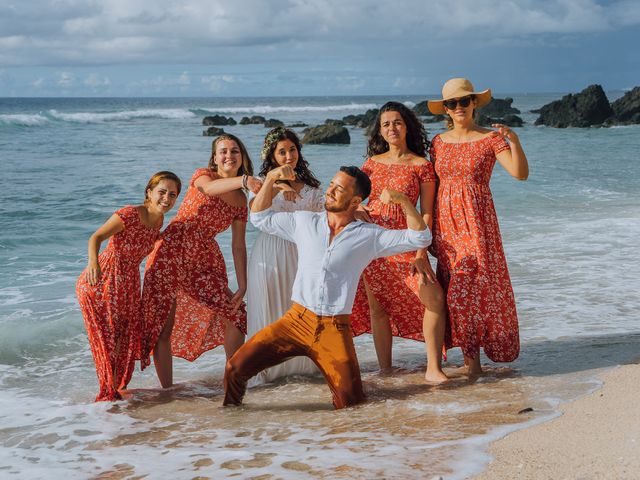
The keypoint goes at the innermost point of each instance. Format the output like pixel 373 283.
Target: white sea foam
pixel 267 109
pixel 101 117
pixel 23 119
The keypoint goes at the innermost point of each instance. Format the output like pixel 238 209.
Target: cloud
pixel 76 32
pixel 96 81
pixel 66 79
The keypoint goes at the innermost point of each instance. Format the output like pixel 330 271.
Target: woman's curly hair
pixel 417 140
pixel 278 134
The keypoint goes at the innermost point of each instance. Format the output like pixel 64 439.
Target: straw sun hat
pixel 456 88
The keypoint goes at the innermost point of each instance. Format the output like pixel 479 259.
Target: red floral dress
pixel 111 308
pixel 187 266
pixel 471 264
pixel 390 279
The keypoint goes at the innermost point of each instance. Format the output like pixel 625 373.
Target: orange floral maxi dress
pixel 471 264
pixel 111 308
pixel 389 278
pixel 187 267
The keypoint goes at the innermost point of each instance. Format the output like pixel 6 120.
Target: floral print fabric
pixel 187 266
pixel 471 264
pixel 111 308
pixel 389 278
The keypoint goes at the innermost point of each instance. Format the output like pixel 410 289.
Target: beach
pixel 595 437
pixel 570 235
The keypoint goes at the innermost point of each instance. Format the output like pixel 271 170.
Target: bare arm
pixel 109 228
pixel 414 219
pixel 421 264
pixel 217 186
pixel 239 251
pixel 514 161
pixel 264 197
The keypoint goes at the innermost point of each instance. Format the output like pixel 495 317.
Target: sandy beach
pixel 596 437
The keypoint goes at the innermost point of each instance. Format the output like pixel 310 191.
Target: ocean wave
pixel 95 117
pixel 25 120
pixel 266 109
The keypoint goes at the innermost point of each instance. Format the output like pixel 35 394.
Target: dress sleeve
pixel 242 215
pixel 498 143
pixel 426 173
pixel 432 149
pixel 366 167
pixel 128 215
pixel 201 172
pixel 317 204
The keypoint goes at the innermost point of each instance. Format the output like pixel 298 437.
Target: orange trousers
pixel 325 340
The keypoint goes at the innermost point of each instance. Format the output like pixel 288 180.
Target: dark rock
pixel 525 410
pixel 434 119
pixel 362 120
pixel 509 120
pixel 499 107
pixel 273 123
pixel 326 134
pixel 585 109
pixel 422 110
pixel 212 132
pixel 218 120
pixel 297 125
pixel 536 110
pixel 627 108
pixel 331 121
pixel 254 120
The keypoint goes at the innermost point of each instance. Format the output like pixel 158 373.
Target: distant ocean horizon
pixel 570 234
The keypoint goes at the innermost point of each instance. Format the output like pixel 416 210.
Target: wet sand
pixel 596 437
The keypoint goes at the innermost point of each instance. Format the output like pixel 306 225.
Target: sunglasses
pixel 464 102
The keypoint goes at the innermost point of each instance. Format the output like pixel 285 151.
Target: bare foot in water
pixel 472 366
pixel 436 377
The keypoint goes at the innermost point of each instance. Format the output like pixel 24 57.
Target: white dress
pixel 272 269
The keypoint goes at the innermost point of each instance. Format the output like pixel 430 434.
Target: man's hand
pixel 390 197
pixel 362 213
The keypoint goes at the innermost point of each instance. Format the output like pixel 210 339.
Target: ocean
pixel 570 234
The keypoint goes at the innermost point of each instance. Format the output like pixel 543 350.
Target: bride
pixel 274 261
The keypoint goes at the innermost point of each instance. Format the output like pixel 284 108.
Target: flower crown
pixel 272 137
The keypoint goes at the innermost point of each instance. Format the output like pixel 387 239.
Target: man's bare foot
pixel 436 377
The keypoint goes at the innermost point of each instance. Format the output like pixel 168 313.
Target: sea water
pixel 570 234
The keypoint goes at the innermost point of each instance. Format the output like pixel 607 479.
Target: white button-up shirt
pixel 328 273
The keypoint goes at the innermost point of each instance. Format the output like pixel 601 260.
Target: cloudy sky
pixel 313 47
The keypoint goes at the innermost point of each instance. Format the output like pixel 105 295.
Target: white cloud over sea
pixel 253 47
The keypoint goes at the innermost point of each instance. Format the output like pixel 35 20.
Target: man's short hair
pixel 363 184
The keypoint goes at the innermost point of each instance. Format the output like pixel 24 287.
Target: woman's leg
pixel 381 328
pixel 472 364
pixel 433 325
pixel 162 358
pixel 233 339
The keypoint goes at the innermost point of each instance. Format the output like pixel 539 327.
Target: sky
pixel 108 48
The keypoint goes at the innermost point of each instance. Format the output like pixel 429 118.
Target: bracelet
pixel 245 178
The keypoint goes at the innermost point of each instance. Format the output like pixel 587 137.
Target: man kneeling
pixel 333 250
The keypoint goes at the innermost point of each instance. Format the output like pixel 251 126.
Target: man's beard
pixel 337 208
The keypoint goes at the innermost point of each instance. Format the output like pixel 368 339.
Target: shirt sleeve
pixel 282 224
pixel 391 242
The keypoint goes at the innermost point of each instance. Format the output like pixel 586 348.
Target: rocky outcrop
pixel 433 119
pixel 362 120
pixel 422 110
pixel 626 109
pixel 509 120
pixel 218 120
pixel 297 125
pixel 212 132
pixel 253 120
pixel 585 109
pixel 333 134
pixel 499 107
pixel 273 123
pixel 332 121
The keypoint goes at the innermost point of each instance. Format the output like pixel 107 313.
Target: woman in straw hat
pixel 471 264
pixel 392 300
